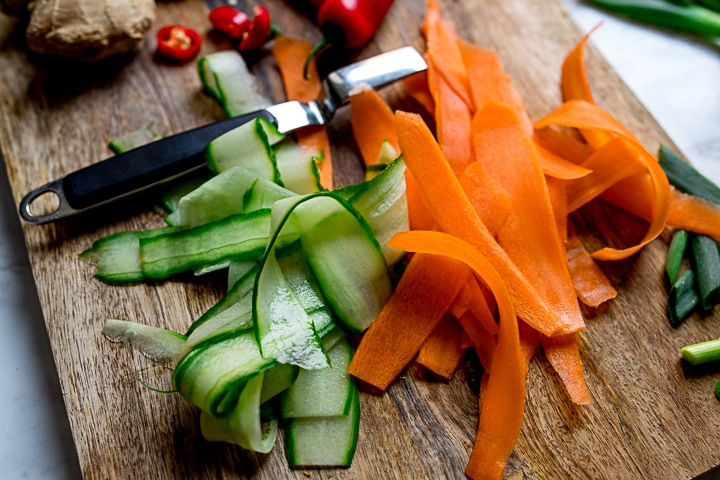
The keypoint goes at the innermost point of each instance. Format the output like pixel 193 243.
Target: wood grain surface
pixel 649 418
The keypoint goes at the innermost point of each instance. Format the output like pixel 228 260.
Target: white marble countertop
pixel 677 79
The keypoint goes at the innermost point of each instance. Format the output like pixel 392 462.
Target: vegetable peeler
pixel 170 157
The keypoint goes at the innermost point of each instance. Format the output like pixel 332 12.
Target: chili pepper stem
pixel 313 53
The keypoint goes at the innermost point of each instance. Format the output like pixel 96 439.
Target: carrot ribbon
pixel 510 158
pixel 290 54
pixel 587 116
pixel 372 123
pixel 442 351
pixel 503 401
pixel 444 53
pixel 591 285
pixel 575 86
pixel 420 301
pixel 444 197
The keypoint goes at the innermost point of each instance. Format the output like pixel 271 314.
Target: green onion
pixel 690 18
pixel 705 254
pixel 685 177
pixel 706 259
pixel 711 4
pixel 676 254
pixel 703 352
pixel 717 390
pixel 683 298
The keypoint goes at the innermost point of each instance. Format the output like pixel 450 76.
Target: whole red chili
pixel 230 21
pixel 351 23
pixel 178 43
pixel 259 30
pixel 348 23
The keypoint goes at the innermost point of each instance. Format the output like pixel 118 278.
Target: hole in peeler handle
pixel 45 204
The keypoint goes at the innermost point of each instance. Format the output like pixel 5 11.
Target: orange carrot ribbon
pixel 420 301
pixel 584 115
pixel 503 402
pixel 510 157
pixel 290 54
pixel 443 195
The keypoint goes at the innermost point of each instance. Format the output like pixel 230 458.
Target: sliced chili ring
pixel 178 43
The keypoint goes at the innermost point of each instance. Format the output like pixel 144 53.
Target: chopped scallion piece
pixel 703 352
pixel 685 177
pixel 705 254
pixel 717 390
pixel 683 298
pixel 676 254
pixel 706 259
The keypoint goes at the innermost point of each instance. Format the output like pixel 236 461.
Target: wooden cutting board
pixel 649 418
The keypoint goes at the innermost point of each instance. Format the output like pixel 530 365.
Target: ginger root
pixel 86 29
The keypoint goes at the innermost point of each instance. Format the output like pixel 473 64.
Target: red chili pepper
pixel 230 21
pixel 259 30
pixel 351 23
pixel 348 23
pixel 178 43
